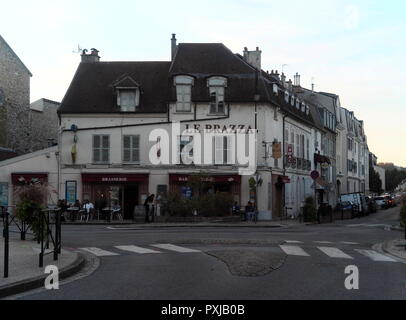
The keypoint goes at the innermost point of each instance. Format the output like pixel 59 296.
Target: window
pixel 302 146
pixel 131 148
pixel 185 152
pixel 128 100
pixel 223 150
pixel 216 90
pixel 297 146
pixel 307 149
pixel 286 96
pixel 101 148
pixel 184 93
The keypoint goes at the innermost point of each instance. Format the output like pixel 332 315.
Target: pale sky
pixel 355 49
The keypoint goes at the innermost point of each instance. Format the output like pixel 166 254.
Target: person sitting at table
pixel 88 207
pixel 100 204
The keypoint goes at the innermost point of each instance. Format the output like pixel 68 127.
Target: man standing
pixel 148 202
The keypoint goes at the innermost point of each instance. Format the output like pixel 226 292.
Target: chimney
pixel 92 57
pixel 297 80
pixel 174 45
pixel 253 57
pixel 283 79
pixel 290 84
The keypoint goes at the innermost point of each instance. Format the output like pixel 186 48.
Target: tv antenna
pixel 80 50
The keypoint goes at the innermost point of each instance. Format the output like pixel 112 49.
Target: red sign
pixel 315 175
pixel 284 179
pixel 113 178
pixel 185 178
pixel 27 178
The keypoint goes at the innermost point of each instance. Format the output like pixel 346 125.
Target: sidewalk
pixel 24 273
pixel 214 224
pixel 395 248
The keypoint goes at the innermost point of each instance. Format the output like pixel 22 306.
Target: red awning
pixel 24 178
pixel 113 178
pixel 176 178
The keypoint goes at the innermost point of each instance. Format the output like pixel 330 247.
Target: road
pixel 295 262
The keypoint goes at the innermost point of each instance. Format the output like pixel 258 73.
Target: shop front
pixel 124 190
pixel 208 184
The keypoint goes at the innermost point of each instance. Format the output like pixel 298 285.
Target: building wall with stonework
pixel 44 124
pixel 14 100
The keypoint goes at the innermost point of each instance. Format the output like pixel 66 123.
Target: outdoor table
pixel 73 212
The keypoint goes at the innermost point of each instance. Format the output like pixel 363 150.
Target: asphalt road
pixel 296 262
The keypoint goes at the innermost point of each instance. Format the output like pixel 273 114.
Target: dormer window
pixel 217 87
pixel 184 93
pixel 292 101
pixel 128 94
pixel 286 96
pixel 297 104
pixel 128 100
pixel 275 89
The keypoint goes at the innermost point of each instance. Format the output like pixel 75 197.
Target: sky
pixel 355 49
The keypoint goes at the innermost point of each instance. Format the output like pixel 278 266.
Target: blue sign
pixel 71 192
pixel 4 194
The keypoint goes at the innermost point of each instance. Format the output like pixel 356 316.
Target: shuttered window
pixel 131 148
pixel 101 149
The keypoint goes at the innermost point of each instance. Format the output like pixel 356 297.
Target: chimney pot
pixel 92 57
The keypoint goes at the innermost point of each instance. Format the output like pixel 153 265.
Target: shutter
pixel 218 150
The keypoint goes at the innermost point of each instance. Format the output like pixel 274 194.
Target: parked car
pixel 345 205
pixel 390 202
pixel 371 204
pixel 381 202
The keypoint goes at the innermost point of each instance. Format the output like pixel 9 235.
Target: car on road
pixel 381 202
pixel 345 205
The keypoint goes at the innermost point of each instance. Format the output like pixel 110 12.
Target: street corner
pixel 25 275
pixel 250 262
pixel 396 248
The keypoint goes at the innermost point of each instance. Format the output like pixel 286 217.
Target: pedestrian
pixel 249 209
pixel 88 207
pixel 147 205
pixel 236 209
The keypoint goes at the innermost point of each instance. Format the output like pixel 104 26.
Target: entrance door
pixel 130 201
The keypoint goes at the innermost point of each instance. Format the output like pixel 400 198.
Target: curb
pixel 37 282
pixel 385 249
pixel 140 227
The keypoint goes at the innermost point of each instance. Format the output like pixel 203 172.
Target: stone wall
pixel 15 86
pixel 44 124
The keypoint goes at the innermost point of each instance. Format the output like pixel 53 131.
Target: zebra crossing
pixel 163 248
pixel 290 248
pixel 293 248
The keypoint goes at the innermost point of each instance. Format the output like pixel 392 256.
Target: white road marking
pixel 294 251
pixel 334 253
pixel 172 247
pixel 136 249
pixel 293 241
pixel 375 256
pixel 350 243
pixel 323 242
pixel 99 252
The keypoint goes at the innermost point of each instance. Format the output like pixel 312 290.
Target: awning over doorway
pixel 113 178
pixel 24 178
pixel 177 178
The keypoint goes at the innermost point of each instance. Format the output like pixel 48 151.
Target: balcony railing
pixel 298 163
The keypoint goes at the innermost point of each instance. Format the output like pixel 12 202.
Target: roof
pixel 92 89
pixel 7 154
pixel 18 58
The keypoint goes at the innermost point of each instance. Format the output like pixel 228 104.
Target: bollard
pixel 41 237
pixel 56 246
pixel 6 242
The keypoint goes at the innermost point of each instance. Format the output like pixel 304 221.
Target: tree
pixel 394 177
pixel 375 182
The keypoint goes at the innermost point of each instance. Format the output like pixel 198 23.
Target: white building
pixel 111 109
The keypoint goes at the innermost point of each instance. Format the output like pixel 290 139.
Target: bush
pixel 209 205
pixel 309 210
pixel 31 201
